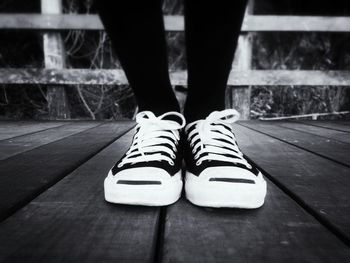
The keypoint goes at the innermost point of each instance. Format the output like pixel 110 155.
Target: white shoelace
pixel 152 136
pixel 216 142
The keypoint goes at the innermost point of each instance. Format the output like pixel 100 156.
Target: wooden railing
pixel 252 23
pixel 241 77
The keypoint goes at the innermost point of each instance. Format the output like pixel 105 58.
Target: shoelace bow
pixel 215 141
pixel 152 136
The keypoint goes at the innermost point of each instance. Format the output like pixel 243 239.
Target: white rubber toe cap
pixel 141 174
pixel 226 187
pixel 148 186
pixel 228 172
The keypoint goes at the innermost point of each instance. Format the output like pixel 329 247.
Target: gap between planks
pixel 342 126
pixel 333 150
pixel 30 127
pixel 303 188
pixel 23 143
pixel 72 216
pixel 333 134
pixel 76 203
pixel 32 172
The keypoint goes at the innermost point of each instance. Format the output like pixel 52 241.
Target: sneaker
pixel 217 173
pixel 149 173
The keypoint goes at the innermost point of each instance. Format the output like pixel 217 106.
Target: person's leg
pixel 136 29
pixel 212 30
pixel 149 173
pixel 217 173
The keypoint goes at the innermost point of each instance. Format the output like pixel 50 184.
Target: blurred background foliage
pixel 92 49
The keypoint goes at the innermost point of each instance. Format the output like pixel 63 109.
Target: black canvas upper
pixel 197 169
pixel 163 164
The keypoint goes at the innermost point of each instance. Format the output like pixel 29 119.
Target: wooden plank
pixel 50 22
pixel 290 77
pixel 54 57
pixel 30 173
pixel 18 128
pixel 273 23
pixel 312 116
pixel 69 22
pixel 333 125
pixel 323 146
pixel 71 222
pixel 240 98
pixel 280 231
pixel 11 147
pixel 253 23
pixel 309 127
pixel 117 77
pixel 320 185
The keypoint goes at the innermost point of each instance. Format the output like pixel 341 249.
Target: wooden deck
pixel 52 207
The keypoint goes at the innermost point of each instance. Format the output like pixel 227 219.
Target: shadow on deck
pixel 53 210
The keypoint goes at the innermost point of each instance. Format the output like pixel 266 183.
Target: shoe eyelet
pixel 249 166
pixel 171 163
pixel 193 151
pixel 198 163
pixel 173 156
pixel 120 165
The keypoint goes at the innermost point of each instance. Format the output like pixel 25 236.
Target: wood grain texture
pixel 240 97
pixel 71 222
pixel 333 149
pixel 24 176
pixel 319 184
pixel 327 130
pixel 117 77
pixel 251 23
pixel 55 57
pixel 24 143
pixel 280 231
pixel 333 125
pixel 11 129
pixel 273 23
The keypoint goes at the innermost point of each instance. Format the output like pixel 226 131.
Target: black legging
pixel 136 29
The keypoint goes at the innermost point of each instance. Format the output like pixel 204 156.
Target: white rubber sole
pixel 166 193
pixel 224 194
